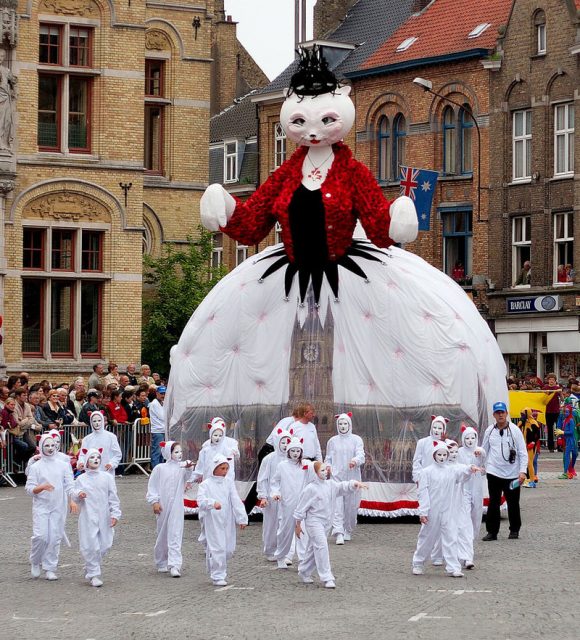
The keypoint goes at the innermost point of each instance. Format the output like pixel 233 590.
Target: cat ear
pixel 38 436
pixel 463 428
pixel 433 418
pixel 349 414
pixel 337 416
pixel 162 444
pixel 100 450
pixel 446 420
pixel 345 91
pixel 85 451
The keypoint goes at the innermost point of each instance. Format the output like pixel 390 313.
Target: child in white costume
pixel 472 511
pixel 57 436
pixel 99 511
pixel 345 455
pixel 285 488
pixel 100 438
pixel 424 450
pixel 220 509
pixel 50 483
pixel 314 510
pixel 165 491
pixel 436 486
pixel 217 443
pixel 270 507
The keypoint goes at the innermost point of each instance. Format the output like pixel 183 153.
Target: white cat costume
pixel 100 438
pixel 217 444
pixel 423 456
pixel 167 484
pixel 314 510
pixel 286 486
pixel 220 525
pixel 57 436
pixel 49 508
pixel 345 455
pixel 265 476
pixel 436 490
pixel 95 512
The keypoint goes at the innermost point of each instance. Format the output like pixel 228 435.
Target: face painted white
pixel 97 421
pixel 217 436
pixel 453 453
pixel 56 442
pixel 470 440
pixel 343 425
pixel 437 429
pixel 48 447
pixel 322 472
pixel 295 454
pixel 283 445
pixel 316 121
pixel 177 453
pixel 441 456
pixel 94 461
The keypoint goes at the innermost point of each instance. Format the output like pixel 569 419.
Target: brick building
pixel 110 160
pixel 534 189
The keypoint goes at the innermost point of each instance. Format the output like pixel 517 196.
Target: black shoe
pixel 514 535
pixel 488 537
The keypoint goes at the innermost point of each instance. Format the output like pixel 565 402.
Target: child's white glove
pixel 216 207
pixel 404 222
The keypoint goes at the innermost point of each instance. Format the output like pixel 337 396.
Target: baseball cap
pixel 161 389
pixel 499 406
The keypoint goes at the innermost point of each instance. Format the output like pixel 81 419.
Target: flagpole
pixel 427 86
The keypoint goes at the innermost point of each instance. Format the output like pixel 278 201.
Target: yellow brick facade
pixel 64 190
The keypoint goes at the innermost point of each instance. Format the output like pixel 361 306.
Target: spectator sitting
pixel 97 376
pixel 561 275
pixel 78 385
pixel 92 404
pixel 115 412
pixel 570 273
pixel 525 277
pixel 108 391
pixel 156 378
pixel 68 415
pixel 80 398
pixel 46 387
pixel 146 375
pixel 132 374
pixel 53 409
pixel 13 383
pixel 38 412
pixel 4 393
pixel 113 376
pixel 25 417
pixel 128 404
pixel 124 381
pixel 23 449
pixel 458 272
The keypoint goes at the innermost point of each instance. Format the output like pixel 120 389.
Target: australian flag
pixel 419 185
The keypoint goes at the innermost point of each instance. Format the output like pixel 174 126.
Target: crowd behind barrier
pixel 134 440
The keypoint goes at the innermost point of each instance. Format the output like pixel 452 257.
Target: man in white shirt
pixel 506 461
pixel 157 416
pixel 305 430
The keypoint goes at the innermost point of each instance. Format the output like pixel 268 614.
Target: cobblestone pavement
pixel 526 588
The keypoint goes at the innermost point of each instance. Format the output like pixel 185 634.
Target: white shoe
pixel 220 583
pixel 329 584
pixel 50 575
pixel 340 539
pixel 470 565
pixel 162 570
pixel 271 558
pixel 306 579
pixel 437 563
pixel 175 572
pixel 417 570
pixel 35 570
pixel 96 582
pixel 455 574
pixel 347 537
pixel 282 564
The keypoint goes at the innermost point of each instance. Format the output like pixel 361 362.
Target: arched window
pixel 466 126
pixel 449 141
pixel 399 138
pixel 384 149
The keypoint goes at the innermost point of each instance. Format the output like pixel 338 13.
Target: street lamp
pixel 427 86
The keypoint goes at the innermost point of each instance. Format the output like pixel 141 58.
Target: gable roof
pixel 442 29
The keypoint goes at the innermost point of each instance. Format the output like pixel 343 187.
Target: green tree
pixel 179 280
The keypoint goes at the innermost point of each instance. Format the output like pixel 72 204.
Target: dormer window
pixel 484 26
pixel 406 44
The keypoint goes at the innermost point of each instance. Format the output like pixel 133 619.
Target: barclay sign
pixel 534 304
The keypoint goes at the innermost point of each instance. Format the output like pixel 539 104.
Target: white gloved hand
pixel 216 207
pixel 404 222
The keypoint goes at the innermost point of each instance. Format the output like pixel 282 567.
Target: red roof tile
pixel 443 28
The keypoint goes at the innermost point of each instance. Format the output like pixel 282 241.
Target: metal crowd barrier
pixel 134 440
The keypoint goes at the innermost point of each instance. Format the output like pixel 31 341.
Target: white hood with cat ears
pixel 41 439
pixel 97 416
pixel 441 420
pixel 166 449
pixel 216 423
pixel 217 460
pixel 439 445
pixel 466 431
pixel 282 433
pixel 348 418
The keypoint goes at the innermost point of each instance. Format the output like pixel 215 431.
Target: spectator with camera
pixel 505 463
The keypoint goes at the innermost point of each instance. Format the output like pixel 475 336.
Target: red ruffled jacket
pixel 349 192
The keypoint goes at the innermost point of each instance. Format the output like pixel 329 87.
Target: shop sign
pixel 534 304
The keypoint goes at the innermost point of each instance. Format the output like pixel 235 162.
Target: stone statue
pixel 7 105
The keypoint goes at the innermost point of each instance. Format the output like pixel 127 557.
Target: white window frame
pixel 230 162
pixel 278 233
pixel 407 42
pixel 279 145
pixel 241 253
pixel 477 31
pixel 566 238
pixel 566 134
pixel 519 244
pixel 541 40
pixel 217 252
pixel 524 143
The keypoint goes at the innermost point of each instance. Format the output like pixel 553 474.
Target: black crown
pixel 313 77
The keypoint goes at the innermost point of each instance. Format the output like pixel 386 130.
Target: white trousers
pixel 345 513
pixel 92 552
pixel 269 528
pixel 316 555
pixel 167 550
pixel 47 533
pixel 438 527
pixel 476 506
pixel 285 540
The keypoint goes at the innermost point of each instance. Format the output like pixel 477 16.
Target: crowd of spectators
pixel 28 409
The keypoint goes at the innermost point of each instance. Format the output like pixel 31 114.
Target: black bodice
pixel 307 227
